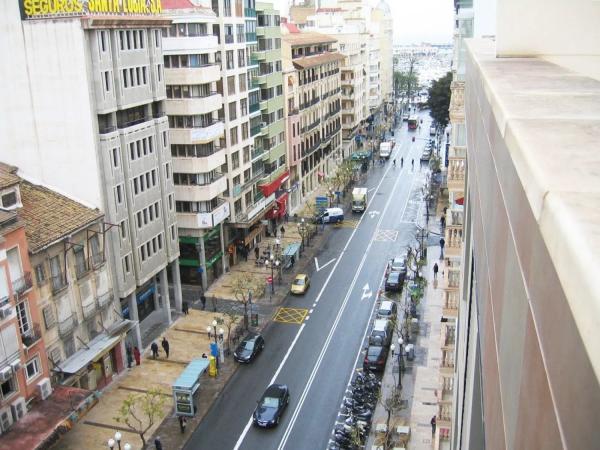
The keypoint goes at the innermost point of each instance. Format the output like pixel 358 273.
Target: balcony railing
pixel 250 37
pixel 105 129
pixel 254 107
pixel 104 300
pixel 257 151
pixel 97 259
pixel 445 412
pixel 249 12
pixel 32 336
pixel 89 310
pixel 255 130
pixel 66 326
pixel 229 38
pixel 59 282
pixel 81 270
pixel 23 284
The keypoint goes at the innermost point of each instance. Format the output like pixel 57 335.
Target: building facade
pixel 312 85
pixel 194 105
pixel 382 26
pixel 118 158
pixel 24 371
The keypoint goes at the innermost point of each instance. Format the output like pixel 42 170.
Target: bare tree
pixel 246 286
pixel 140 411
pixel 392 404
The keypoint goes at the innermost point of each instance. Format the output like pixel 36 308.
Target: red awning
pixel 268 189
pixel 279 208
pixel 460 201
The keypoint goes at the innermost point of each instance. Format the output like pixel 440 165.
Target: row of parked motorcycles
pixel 358 407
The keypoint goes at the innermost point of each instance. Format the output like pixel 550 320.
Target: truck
pixel 385 150
pixel 359 199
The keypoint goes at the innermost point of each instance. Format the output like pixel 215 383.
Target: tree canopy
pixel 439 100
pixel 405 82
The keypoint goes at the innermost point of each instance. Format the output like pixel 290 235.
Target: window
pixel 80 262
pixel 173 234
pixel 56 273
pixel 115 157
pixel 246 154
pixel 245 133
pixel 97 256
pixel 229 59
pixel 23 316
pixel 243 85
pixel 40 274
pixel 241 58
pixel 9 199
pixel 49 317
pixel 119 194
pixel 231 85
pixel 33 368
pixel 232 111
pixel 123 229
pixel 127 264
pixel 235 160
pixel 168 171
pixel 171 202
pixel 248 198
pixel 9 387
pixel 244 106
pixel 233 136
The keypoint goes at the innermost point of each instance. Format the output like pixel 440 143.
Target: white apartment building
pixel 382 26
pixel 87 92
pixel 374 74
pixel 312 86
pixel 196 134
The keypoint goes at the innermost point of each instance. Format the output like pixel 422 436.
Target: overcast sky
pixel 415 21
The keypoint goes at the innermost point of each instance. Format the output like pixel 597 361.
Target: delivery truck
pixel 359 199
pixel 385 150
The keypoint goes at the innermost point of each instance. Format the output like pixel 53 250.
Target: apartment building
pixel 348 24
pixel 194 104
pixel 374 96
pixel 382 26
pixel 23 363
pixel 106 71
pixel 526 362
pixel 312 86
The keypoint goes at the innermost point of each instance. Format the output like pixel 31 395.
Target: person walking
pixel 158 443
pixel 129 353
pixel 203 301
pixel 256 252
pixel 442 243
pixel 282 231
pixel 435 271
pixel 182 424
pixel 154 348
pixel 401 162
pixel 443 222
pixel 433 424
pixel 412 163
pixel 185 308
pixel 136 355
pixel 165 345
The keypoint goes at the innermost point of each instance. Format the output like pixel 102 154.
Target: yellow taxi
pixel 300 284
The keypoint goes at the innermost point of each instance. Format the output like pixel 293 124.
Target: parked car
pixel 249 348
pixel 271 405
pixel 375 358
pixel 397 264
pixel 394 282
pixel 382 332
pixel 300 284
pixel 387 310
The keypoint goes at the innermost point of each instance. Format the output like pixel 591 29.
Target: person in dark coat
pixel 154 348
pixel 158 443
pixel 282 231
pixel 165 345
pixel 185 308
pixel 136 355
pixel 182 424
pixel 442 243
pixel 203 301
pixel 256 252
pixel 433 424
pixel 435 271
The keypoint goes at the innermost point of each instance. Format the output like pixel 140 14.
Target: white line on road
pixel 310 311
pixel 325 347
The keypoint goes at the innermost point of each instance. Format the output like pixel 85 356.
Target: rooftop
pixel 50 216
pixel 8 176
pixel 295 39
pixel 311 61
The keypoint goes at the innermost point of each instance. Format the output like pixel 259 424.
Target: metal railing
pixel 229 38
pixel 97 259
pixel 59 282
pixel 104 299
pixel 81 270
pixel 33 335
pixel 66 326
pixel 105 129
pixel 89 310
pixel 22 284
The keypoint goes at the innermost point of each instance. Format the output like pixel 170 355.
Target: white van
pixel 385 150
pixel 331 215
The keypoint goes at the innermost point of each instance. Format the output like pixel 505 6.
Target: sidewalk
pixel 188 340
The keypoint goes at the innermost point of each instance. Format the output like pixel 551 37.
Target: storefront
pixel 190 258
pixel 145 301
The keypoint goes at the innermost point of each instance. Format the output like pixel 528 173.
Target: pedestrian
pixel 185 307
pixel 256 252
pixel 129 356
pixel 154 348
pixel 442 222
pixel 203 301
pixel 435 271
pixel 182 424
pixel 158 443
pixel 282 231
pixel 286 217
pixel 165 346
pixel 433 424
pixel 204 356
pixel 442 243
pixel 412 163
pixel 292 261
pixel 136 355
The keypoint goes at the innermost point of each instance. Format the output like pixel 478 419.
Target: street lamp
pixel 400 361
pixel 117 439
pixel 111 443
pixel 127 446
pixel 302 231
pixel 213 328
pixel 273 263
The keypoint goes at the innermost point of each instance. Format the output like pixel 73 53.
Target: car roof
pixel 394 274
pixel 386 304
pixel 301 275
pixel 275 390
pixel 251 336
pixel 380 324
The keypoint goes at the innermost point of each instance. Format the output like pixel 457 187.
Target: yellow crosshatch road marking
pixel 347 224
pixel 290 315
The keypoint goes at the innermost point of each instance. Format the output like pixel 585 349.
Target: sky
pixel 415 21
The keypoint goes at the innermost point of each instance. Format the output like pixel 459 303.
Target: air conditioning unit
pixel 16 365
pixel 263 124
pixel 18 408
pixel 5 311
pixel 5 374
pixel 45 388
pixel 6 419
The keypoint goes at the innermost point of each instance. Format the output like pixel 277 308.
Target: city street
pixel 316 357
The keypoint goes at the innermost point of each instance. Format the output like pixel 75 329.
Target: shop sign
pixel 51 9
pixel 261 205
pixel 213 218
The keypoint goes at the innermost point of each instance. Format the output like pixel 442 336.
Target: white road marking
pixel 324 265
pixel 310 311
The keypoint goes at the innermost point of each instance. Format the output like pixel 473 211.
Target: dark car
pixel 249 348
pixel 375 358
pixel 394 281
pixel 271 406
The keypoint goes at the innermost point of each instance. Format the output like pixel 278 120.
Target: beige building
pixel 382 26
pixel 312 92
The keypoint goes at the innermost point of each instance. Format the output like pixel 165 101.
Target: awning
pixel 291 249
pixel 269 188
pixel 82 357
pixel 281 209
pixel 460 201
pixel 190 375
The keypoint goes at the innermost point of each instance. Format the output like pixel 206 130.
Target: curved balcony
pixel 202 135
pixel 193 75
pixel 201 193
pixel 206 42
pixel 189 106
pixel 199 165
pixel 204 219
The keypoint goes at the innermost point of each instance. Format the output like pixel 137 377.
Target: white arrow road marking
pixel 324 265
pixel 373 213
pixel 366 292
pixel 372 189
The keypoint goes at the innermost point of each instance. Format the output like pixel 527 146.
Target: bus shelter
pixel 185 388
pixel 291 253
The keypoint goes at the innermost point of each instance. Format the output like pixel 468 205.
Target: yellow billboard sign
pixel 42 9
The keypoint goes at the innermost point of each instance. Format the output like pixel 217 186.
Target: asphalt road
pixel 316 358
